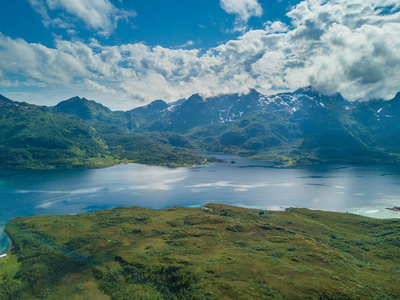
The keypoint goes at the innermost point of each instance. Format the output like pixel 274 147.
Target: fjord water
pixel 364 190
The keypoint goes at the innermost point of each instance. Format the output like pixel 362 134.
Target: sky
pixel 128 53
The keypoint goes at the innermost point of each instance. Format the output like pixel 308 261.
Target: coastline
pixel 372 211
pixel 10 244
pixel 71 167
pixel 279 163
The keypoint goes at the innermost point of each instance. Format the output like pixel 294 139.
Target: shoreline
pixel 9 246
pixel 205 162
pixel 278 163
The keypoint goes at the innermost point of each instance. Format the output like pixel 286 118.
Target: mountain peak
pixel 157 105
pixel 253 93
pixel 397 97
pixel 81 107
pixel 306 90
pixel 310 91
pixel 76 98
pixel 80 101
pixel 151 109
pixel 195 98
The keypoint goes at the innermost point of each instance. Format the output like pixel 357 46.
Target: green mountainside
pixel 214 252
pixel 102 117
pixel 87 137
pixel 90 111
pixel 301 127
pixel 33 137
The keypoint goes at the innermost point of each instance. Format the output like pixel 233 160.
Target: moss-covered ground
pixel 214 252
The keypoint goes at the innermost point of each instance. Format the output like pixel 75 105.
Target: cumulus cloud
pixel 52 66
pixel 244 9
pixel 346 46
pixel 99 15
pixel 95 86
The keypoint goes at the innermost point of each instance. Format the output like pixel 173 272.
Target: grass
pixel 216 252
pixel 9 266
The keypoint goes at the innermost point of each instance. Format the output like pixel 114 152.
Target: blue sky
pixel 154 22
pixel 128 53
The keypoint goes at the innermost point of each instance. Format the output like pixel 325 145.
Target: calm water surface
pixel 364 190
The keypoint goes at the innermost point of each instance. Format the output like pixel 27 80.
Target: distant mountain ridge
pixel 79 133
pixel 299 127
pixel 197 111
pixel 203 111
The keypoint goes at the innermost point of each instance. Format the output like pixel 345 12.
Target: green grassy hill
pixel 33 137
pixel 214 252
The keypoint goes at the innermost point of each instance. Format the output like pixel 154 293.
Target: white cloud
pixel 347 46
pixel 68 64
pixel 99 15
pixel 244 9
pixel 185 45
pixel 95 86
pixel 276 27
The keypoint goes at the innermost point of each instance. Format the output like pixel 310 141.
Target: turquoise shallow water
pixel 4 241
pixel 364 190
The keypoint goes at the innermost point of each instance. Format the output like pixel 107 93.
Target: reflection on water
pixel 365 190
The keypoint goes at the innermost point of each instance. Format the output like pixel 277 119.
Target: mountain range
pixel 300 127
pixel 41 137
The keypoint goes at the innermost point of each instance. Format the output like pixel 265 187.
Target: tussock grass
pixel 214 252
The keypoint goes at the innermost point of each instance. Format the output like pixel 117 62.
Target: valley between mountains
pixel 295 128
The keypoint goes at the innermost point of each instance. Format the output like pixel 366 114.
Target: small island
pixel 394 208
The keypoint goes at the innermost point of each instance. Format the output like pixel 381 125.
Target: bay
pixel 365 190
